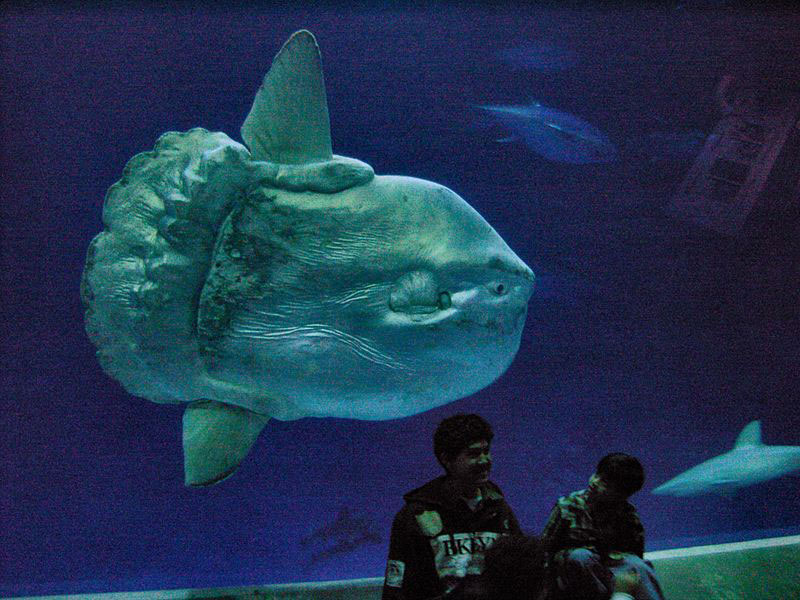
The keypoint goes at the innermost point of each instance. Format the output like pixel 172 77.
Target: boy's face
pixel 601 490
pixel 471 465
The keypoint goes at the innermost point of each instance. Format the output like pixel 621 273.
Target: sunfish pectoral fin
pixel 216 438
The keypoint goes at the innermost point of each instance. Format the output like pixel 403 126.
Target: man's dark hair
pixel 457 432
pixel 622 471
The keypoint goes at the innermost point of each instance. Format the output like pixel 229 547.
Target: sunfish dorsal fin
pixel 750 435
pixel 289 122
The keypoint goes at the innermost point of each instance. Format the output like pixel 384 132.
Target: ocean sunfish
pixel 278 280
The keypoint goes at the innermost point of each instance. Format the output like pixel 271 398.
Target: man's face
pixel 472 464
pixel 602 491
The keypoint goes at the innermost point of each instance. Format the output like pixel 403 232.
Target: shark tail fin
pixel 289 121
pixel 750 435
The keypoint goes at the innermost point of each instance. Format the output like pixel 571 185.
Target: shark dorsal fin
pixel 750 435
pixel 289 122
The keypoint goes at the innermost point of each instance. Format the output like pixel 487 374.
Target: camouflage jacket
pixel 437 540
pixel 576 523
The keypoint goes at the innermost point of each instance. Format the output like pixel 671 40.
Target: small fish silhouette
pixel 346 533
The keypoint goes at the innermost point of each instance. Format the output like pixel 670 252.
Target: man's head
pixel 461 445
pixel 618 476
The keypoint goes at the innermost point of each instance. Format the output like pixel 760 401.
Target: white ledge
pixel 763 569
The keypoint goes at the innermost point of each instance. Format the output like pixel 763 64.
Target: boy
pixel 595 533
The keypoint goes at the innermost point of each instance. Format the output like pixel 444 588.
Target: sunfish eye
pixel 416 293
pixel 444 300
pixel 498 288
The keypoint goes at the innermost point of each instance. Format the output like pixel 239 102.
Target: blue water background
pixel 645 334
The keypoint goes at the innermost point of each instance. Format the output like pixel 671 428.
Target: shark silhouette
pixel 552 134
pixel 539 56
pixel 750 462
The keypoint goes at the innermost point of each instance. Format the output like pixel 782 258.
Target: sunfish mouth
pixel 505 323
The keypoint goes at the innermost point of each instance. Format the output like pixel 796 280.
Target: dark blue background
pixel 645 334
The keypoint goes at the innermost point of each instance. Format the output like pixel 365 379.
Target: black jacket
pixel 437 539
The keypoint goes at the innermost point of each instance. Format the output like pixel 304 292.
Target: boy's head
pixel 455 434
pixel 621 471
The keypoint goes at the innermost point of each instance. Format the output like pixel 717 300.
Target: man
pixel 594 534
pixel 439 537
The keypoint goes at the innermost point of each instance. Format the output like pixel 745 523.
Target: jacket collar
pixel 441 492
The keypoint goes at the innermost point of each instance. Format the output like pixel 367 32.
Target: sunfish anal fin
pixel 216 438
pixel 289 122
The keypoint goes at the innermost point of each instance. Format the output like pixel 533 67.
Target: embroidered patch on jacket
pixel 430 523
pixel 460 554
pixel 394 573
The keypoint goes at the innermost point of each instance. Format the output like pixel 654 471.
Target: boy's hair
pixel 623 471
pixel 457 432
